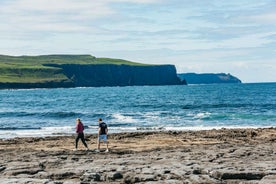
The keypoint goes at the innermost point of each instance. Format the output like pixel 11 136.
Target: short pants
pixel 103 137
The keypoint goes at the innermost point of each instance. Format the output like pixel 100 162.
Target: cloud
pixel 56 16
pixel 75 9
pixel 134 1
pixel 268 18
pixel 248 41
pixel 31 14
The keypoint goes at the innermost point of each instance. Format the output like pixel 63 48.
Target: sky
pixel 201 36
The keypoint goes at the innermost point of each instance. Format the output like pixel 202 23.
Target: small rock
pixel 117 175
pixel 196 171
pixel 55 182
pixel 228 175
pixel 201 179
pixel 271 179
pixel 63 157
pixel 87 177
pixel 62 175
pixel 131 179
pixel 189 164
pixel 75 158
pixel 148 177
pixel 147 171
pixel 25 171
pixel 2 168
pixel 232 150
pixel 41 166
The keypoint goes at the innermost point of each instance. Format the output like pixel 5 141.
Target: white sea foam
pixel 55 131
pixel 202 115
pixel 123 118
pixel 198 128
pixel 42 132
pixel 64 128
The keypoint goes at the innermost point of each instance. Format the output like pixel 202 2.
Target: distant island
pixel 208 78
pixel 53 71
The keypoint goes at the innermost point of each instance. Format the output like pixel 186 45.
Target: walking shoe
pixel 106 150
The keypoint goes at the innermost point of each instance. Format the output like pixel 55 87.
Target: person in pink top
pixel 80 134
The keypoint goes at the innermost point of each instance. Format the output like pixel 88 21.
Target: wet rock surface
pixel 215 156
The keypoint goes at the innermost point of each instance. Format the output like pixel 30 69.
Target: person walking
pixel 102 134
pixel 80 134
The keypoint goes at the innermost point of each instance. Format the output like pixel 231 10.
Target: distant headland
pixel 208 78
pixel 53 71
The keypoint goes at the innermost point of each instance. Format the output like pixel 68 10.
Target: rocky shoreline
pixel 213 156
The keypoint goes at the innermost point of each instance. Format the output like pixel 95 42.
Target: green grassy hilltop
pixel 39 69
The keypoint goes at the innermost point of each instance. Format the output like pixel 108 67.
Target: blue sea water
pixel 46 112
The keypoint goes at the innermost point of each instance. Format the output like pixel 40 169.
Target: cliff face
pixel 120 75
pixel 208 78
pixel 95 75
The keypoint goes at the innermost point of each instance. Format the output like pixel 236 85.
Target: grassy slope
pixel 31 68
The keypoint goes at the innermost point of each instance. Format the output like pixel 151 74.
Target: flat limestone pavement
pixel 214 156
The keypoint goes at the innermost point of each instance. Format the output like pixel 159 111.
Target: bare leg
pixel 99 144
pixel 106 144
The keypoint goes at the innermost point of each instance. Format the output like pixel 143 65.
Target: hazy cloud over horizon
pixel 213 36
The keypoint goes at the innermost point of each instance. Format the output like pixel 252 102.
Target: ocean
pixel 50 112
